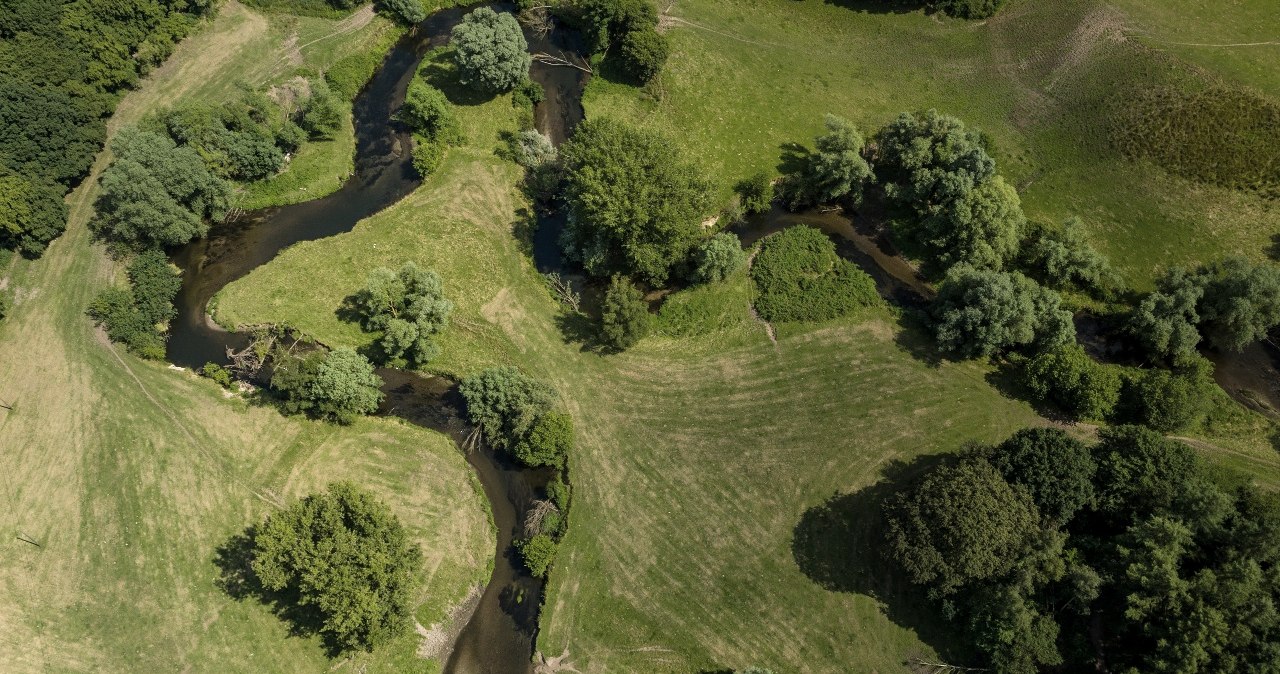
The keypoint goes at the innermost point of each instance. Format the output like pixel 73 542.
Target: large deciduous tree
pixel 1056 469
pixel 410 309
pixel 32 213
pixel 490 51
pixel 635 204
pixel 982 227
pixel 835 171
pixel 927 160
pixel 345 556
pixel 1166 319
pixel 1241 302
pixel 340 385
pixel 1066 376
pixel 979 313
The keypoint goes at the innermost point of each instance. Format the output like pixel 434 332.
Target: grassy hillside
pixel 745 77
pixel 129 475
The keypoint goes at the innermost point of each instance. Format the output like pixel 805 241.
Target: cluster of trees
pixel 520 416
pixel 430 116
pixel 409 308
pixel 1050 554
pixel 799 277
pixel 625 32
pixel 138 316
pixel 63 66
pixel 344 561
pixel 490 51
pixel 1233 303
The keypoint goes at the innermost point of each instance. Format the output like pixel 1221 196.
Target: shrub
pixel 799 277
pixel 624 315
pixel 155 283
pixel 427 155
pixel 345 557
pixel 979 313
pixel 559 493
pixel 114 311
pixel 490 51
pixel 1064 259
pixel 634 203
pixel 1066 376
pixel 834 171
pixel 717 258
pixel 1171 401
pixel 340 385
pixel 428 112
pixel 533 150
pixel 322 112
pixel 538 553
pixel 219 374
pixel 756 193
pixel 969 9
pixel 410 309
pixel 548 442
pixel 505 404
pixel 642 54
pixel 408 12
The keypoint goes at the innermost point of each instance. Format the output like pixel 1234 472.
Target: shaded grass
pixel 130 474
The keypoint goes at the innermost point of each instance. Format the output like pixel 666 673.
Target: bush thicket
pixel 1067 377
pixel 538 552
pixel 516 413
pixel 799 277
pixel 1171 401
pixel 756 193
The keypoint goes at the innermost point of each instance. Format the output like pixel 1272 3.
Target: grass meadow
pixel 720 518
pixel 131 474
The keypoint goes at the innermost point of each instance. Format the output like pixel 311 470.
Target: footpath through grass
pixel 129 475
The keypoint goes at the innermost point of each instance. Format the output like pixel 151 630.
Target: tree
pixel 1165 321
pixel 343 556
pixel 962 523
pixel 490 51
pixel 410 309
pixel 340 385
pixel 428 112
pixel 981 227
pixel 979 313
pixel 624 315
pixel 1066 376
pixel 606 21
pixel 1056 469
pixel 48 132
pixel 1064 259
pixel 756 192
pixel 155 193
pixel 1140 472
pixel 718 257
pixel 322 113
pixel 1241 302
pixel 635 205
pixel 927 160
pixel 408 12
pixel 506 404
pixel 642 53
pixel 32 213
pixel 834 171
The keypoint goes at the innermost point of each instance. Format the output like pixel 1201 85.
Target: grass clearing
pixel 130 474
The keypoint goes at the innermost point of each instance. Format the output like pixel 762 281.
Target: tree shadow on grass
pixel 793 158
pixel 881 6
pixel 234 560
pixel 916 338
pixel 840 545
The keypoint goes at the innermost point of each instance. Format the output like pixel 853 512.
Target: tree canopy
pixel 979 313
pixel 32 213
pixel 505 404
pixel 624 315
pixel 339 385
pixel 1064 259
pixel 981 227
pixel 344 556
pixel 410 309
pixel 156 193
pixel 927 160
pixel 490 51
pixel 635 204
pixel 835 171
pixel 1241 301
pixel 1066 376
pixel 1056 469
